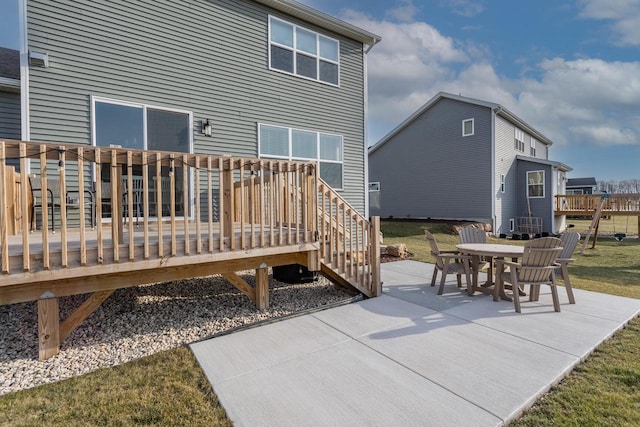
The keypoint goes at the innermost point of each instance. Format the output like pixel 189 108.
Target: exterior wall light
pixel 206 128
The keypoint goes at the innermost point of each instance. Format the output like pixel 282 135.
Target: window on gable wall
pixel 535 184
pixel 502 182
pixel 467 127
pixel 519 140
pixel 532 149
pixel 303 53
pixel 296 144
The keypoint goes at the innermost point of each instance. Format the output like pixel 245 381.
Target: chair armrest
pixel 565 260
pixel 508 263
pixel 449 252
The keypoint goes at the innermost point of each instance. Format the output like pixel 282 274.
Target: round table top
pixel 491 249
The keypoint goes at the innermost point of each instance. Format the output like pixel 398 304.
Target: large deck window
pixel 297 144
pixel 298 51
pixel 139 126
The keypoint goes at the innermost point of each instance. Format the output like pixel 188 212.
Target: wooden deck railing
pixel 188 204
pixel 117 205
pixel 349 244
pixel 588 203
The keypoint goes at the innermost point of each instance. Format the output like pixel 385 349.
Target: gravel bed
pixel 140 321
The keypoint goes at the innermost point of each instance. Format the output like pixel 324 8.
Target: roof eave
pixel 559 165
pixel 323 20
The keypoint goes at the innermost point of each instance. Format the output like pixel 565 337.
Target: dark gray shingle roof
pixel 9 63
pixel 581 182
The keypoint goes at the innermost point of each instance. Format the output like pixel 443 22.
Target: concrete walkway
pixel 407 358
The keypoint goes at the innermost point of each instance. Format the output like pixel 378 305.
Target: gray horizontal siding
pixel 428 170
pixel 208 57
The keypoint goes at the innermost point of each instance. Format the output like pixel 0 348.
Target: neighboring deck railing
pixel 586 204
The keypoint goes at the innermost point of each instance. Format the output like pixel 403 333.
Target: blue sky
pixel 570 68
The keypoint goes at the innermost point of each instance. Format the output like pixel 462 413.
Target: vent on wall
pixel 38 59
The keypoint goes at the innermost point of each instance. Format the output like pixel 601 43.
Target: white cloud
pixel 623 14
pixel 406 12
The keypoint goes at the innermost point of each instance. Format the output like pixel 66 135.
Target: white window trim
pixel 512 224
pixel 145 144
pixel 519 137
pixel 295 50
pixel 543 185
pixel 502 183
pixel 303 159
pixel 374 187
pixel 532 149
pixel 473 128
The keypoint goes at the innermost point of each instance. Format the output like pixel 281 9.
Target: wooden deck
pixel 219 215
pixel 586 205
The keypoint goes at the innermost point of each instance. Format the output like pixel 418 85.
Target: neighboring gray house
pixel 251 78
pixel 460 158
pixel 581 185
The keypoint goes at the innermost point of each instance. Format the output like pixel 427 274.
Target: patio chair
pixel 569 242
pixel 471 234
pixel 537 268
pixel 136 199
pixel 49 201
pixel 448 262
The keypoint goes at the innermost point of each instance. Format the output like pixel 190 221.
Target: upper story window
pixel 296 144
pixel 467 127
pixel 519 140
pixel 532 149
pixel 304 53
pixel 502 183
pixel 535 184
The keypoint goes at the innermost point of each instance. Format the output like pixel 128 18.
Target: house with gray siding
pixel 458 158
pixel 581 185
pixel 248 78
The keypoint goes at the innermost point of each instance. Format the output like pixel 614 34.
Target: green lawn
pixel 170 389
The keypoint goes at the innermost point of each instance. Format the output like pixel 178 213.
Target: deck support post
pixel 262 288
pixel 48 327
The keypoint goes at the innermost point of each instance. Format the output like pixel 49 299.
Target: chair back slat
pixel 569 242
pixel 435 251
pixel 471 234
pixel 539 253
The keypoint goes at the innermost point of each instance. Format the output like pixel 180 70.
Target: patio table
pixel 490 250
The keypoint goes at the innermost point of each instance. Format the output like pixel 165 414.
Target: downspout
pixel 25 128
pixel 493 171
pixel 365 100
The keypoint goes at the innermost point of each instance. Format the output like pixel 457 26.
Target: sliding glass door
pixel 126 125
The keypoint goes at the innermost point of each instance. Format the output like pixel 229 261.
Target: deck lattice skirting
pixel 129 217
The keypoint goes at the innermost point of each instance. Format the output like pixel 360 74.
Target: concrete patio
pixel 409 357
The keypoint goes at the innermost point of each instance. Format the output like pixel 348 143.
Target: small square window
pixel 467 127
